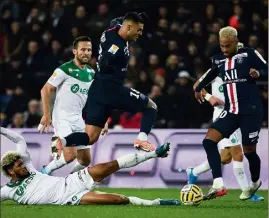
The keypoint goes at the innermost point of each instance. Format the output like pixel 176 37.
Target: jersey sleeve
pixel 4 194
pixel 208 77
pixel 57 78
pixel 259 63
pixel 21 146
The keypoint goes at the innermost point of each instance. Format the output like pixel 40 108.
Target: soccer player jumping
pixel 107 91
pixel 238 68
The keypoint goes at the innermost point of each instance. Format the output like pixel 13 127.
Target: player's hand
pixel 254 73
pixel 215 101
pixel 45 123
pixel 105 129
pixel 199 97
pixel 195 85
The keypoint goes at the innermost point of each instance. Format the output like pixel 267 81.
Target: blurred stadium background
pixel 179 39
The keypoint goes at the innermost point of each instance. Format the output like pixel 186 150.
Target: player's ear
pixel 74 51
pixel 10 171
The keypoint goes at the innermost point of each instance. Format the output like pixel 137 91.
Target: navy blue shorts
pixel 249 124
pixel 105 96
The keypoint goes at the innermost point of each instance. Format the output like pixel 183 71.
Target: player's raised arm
pixel 259 64
pixel 54 81
pixel 17 139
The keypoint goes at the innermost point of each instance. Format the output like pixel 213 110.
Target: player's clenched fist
pixel 254 73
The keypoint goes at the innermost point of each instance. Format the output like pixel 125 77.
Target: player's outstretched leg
pixel 210 145
pixel 116 199
pixel 101 171
pixel 148 119
pixel 254 167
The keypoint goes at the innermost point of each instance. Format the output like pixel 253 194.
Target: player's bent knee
pixel 85 161
pixel 238 157
pixel 69 154
pixel 226 160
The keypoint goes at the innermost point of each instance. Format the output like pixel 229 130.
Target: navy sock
pixel 254 165
pixel 213 157
pixel 77 139
pixel 148 120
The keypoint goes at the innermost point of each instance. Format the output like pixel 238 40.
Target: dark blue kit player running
pixel 239 69
pixel 107 91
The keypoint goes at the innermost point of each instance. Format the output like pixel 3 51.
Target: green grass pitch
pixel 229 206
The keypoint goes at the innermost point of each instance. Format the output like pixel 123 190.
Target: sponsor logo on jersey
pixel 21 189
pixel 75 88
pixel 221 88
pixel 253 134
pixel 71 70
pixel 113 49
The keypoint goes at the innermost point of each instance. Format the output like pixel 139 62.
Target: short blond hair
pixel 228 32
pixel 7 160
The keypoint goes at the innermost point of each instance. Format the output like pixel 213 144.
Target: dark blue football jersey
pixel 242 95
pixel 113 55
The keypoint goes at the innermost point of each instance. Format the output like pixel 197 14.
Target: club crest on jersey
pixel 70 70
pixel 240 60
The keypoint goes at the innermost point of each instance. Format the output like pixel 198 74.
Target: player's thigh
pixel 226 123
pixel 93 133
pixel 97 113
pixel 250 125
pixel 131 100
pixel 100 171
pixel 103 198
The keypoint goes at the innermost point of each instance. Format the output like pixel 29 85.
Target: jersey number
pixel 134 93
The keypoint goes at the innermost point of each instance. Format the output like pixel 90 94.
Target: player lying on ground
pixel 230 148
pixel 28 186
pixel 238 68
pixel 107 91
pixel 71 82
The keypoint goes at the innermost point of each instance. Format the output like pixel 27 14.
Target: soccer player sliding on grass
pixel 28 186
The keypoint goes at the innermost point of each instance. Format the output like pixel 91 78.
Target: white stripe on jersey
pixel 259 55
pixel 231 87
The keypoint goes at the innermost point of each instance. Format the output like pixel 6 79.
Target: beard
pixel 83 61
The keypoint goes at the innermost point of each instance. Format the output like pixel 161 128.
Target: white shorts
pixel 77 185
pixel 234 139
pixel 63 128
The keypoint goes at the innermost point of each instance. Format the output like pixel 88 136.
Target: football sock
pixel 139 201
pixel 142 136
pixel 254 165
pixel 148 119
pixel 76 139
pixel 131 160
pixel 238 168
pixel 213 157
pixel 202 168
pixel 77 167
pixel 218 183
pixel 56 164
